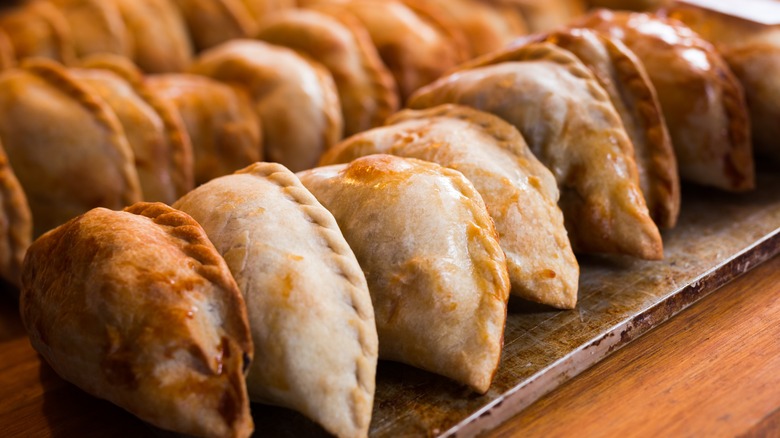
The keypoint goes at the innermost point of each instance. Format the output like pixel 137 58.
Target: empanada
pixel 38 29
pixel 260 9
pixel 7 54
pixel 752 50
pixel 295 98
pixel 161 146
pixel 702 101
pixel 416 49
pixel 367 91
pixel 630 5
pixel 96 27
pixel 15 223
pixel 545 15
pixel 226 134
pixel 81 159
pixel 487 27
pixel 138 308
pixel 520 194
pixel 309 308
pixel 572 127
pixel 158 33
pixel 430 253
pixel 629 88
pixel 213 22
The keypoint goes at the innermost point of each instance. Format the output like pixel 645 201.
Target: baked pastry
pixel 430 253
pixel 486 27
pixel 7 54
pixel 161 146
pixel 295 98
pixel 38 29
pixel 213 22
pixel 624 79
pixel 309 308
pixel 572 127
pixel 417 49
pixel 752 51
pixel 520 194
pixel 138 308
pixel 702 101
pixel 226 134
pixel 367 91
pixel 80 161
pixel 545 15
pixel 258 10
pixel 96 27
pixel 15 223
pixel 158 33
pixel 630 5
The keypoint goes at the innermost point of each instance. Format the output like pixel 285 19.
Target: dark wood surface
pixel 719 237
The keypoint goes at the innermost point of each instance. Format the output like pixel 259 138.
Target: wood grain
pixel 713 370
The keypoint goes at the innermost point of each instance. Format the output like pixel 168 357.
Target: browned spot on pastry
pixel 228 407
pixel 548 273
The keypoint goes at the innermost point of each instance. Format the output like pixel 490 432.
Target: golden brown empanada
pixel 260 9
pixel 295 98
pixel 630 5
pixel 7 54
pixel 486 27
pixel 138 308
pixel 416 49
pixel 309 308
pixel 629 88
pixel 702 101
pixel 572 127
pixel 213 22
pixel 752 50
pixel 544 15
pixel 81 159
pixel 15 223
pixel 224 130
pixel 520 194
pixel 367 91
pixel 38 29
pixel 161 146
pixel 158 33
pixel 436 273
pixel 96 26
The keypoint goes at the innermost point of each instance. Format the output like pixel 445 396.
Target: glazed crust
pixel 158 33
pixel 83 138
pixel 138 308
pixel 416 49
pixel 367 90
pixel 542 16
pixel 625 80
pixel 161 147
pixel 570 124
pixel 702 101
pixel 7 54
pixel 520 194
pixel 309 307
pixel 225 132
pixel 295 98
pixel 753 53
pixel 436 273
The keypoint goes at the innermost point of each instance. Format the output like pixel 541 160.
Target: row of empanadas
pixel 440 294
pixel 520 193
pixel 113 138
pixel 572 127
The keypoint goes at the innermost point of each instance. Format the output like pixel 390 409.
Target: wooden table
pixel 713 370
